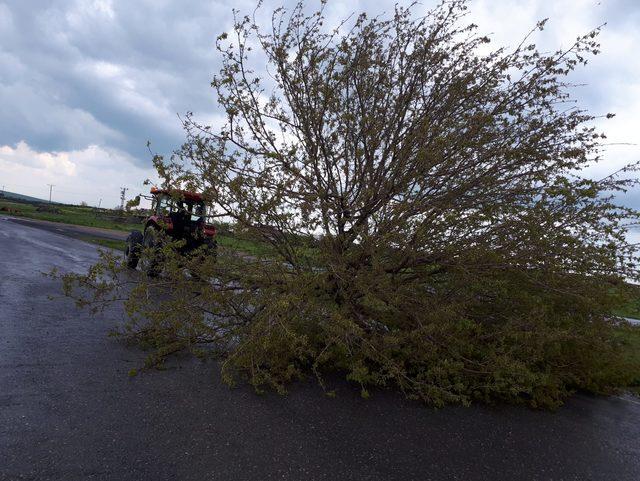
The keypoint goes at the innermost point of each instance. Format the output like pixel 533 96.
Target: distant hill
pixel 24 198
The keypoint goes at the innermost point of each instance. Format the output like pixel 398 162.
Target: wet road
pixel 71 230
pixel 68 410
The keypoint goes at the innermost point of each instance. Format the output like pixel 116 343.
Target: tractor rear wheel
pixel 133 249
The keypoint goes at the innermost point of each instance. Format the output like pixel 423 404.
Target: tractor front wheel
pixel 133 248
pixel 150 243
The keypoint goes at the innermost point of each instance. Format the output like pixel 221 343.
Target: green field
pixel 77 215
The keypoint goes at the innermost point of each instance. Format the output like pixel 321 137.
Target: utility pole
pixel 99 203
pixel 50 191
pixel 123 190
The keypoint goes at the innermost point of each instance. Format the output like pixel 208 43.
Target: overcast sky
pixel 84 84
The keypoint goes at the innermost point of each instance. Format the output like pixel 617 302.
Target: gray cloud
pixel 114 73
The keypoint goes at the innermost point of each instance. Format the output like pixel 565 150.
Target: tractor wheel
pixel 150 242
pixel 133 248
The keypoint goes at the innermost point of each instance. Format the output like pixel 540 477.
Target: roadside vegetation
pixel 427 225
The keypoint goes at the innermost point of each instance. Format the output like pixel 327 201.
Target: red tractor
pixel 176 215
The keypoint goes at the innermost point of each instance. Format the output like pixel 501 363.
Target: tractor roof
pixel 193 196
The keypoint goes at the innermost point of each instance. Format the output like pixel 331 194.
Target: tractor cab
pixel 180 213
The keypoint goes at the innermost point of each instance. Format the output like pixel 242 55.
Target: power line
pixel 50 191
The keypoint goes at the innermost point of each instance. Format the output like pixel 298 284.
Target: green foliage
pixel 424 221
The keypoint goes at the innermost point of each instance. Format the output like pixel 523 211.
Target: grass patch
pixel 244 245
pixel 630 309
pixel 630 298
pixel 110 243
pixel 629 336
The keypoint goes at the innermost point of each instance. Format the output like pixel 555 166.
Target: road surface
pixel 68 410
pixel 72 230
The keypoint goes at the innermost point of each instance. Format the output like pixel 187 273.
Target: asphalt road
pixel 71 230
pixel 68 410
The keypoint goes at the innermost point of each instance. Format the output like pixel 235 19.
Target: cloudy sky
pixel 84 84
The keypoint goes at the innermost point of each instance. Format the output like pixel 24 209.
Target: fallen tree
pixel 428 225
